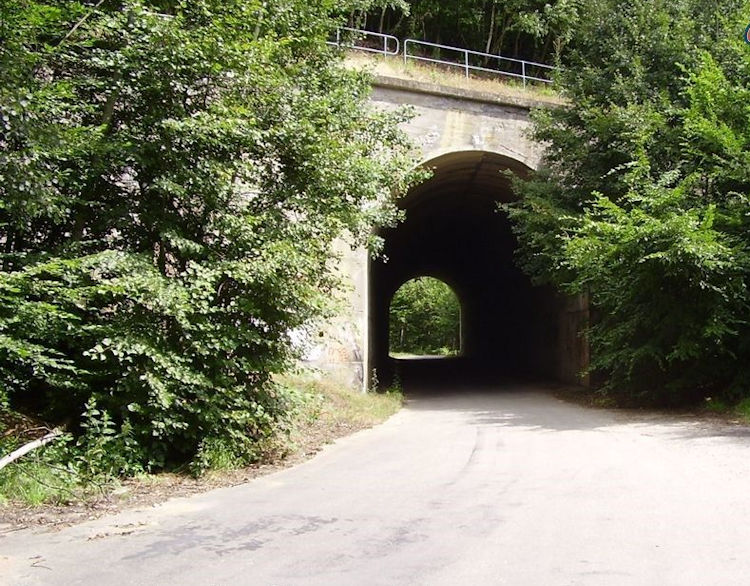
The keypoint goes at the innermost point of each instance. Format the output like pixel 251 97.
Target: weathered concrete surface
pixel 469 137
pixel 449 120
pixel 475 488
pixel 342 343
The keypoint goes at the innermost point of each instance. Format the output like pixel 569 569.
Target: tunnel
pixel 454 231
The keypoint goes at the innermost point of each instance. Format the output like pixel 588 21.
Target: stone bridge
pixel 454 232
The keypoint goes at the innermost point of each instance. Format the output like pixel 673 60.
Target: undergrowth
pixel 452 77
pixel 328 406
pixel 53 474
pixel 72 470
pixel 740 409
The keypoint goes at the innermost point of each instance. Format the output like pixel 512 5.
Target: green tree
pixel 172 176
pixel 425 318
pixel 514 28
pixel 643 199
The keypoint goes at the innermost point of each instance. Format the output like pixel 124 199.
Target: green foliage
pixel 44 475
pixel 215 454
pixel 170 186
pixel 35 483
pixel 643 201
pixel 425 318
pixel 742 409
pixel 535 30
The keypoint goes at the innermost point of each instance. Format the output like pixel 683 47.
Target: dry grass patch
pixel 452 77
pixel 326 411
pixel 330 410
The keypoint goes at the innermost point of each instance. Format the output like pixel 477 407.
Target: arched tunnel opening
pixel 453 231
pixel 425 320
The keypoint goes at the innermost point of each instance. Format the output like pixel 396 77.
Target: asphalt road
pixel 512 487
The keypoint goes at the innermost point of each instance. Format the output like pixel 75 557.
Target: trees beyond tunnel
pixel 425 319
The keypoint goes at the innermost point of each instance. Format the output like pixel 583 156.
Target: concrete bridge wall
pixel 468 137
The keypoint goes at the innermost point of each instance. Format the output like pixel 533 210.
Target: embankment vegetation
pixel 172 176
pixel 642 204
pixel 41 489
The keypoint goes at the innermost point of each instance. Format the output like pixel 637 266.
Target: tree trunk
pixel 500 39
pixel 491 34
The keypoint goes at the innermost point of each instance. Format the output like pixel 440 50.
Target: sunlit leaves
pixel 178 174
pixel 644 202
pixel 425 318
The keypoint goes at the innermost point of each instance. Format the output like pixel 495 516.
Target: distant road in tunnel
pixel 466 488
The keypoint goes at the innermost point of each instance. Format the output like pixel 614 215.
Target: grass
pixel 739 410
pixel 442 75
pixel 324 412
pixel 742 409
pixel 36 480
pixel 329 405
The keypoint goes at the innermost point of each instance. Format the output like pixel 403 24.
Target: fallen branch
pixel 23 450
pixel 75 28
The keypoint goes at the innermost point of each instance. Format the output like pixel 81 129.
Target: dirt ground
pixel 153 490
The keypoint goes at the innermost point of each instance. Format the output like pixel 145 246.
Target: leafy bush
pixel 170 186
pixel 643 201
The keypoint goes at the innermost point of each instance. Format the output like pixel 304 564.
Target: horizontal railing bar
pixel 476 53
pixel 465 54
pixel 453 63
pixel 387 39
pixel 509 73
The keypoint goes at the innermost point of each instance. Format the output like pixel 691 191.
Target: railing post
pixel 437 55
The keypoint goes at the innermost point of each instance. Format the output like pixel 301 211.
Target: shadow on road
pixel 453 375
pixel 490 398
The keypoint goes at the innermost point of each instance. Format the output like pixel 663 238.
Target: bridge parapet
pixel 449 119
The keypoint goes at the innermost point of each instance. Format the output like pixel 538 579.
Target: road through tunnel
pixel 454 232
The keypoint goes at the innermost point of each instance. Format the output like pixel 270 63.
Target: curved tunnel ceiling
pixel 479 173
pixel 461 196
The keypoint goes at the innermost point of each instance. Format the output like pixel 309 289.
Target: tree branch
pixel 23 450
pixel 80 22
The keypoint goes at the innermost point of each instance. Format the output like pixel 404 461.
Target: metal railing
pixel 360 40
pixel 475 61
pixel 465 59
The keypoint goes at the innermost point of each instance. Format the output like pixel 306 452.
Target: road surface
pixel 512 487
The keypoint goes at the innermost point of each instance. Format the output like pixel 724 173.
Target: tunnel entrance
pixel 454 232
pixel 425 320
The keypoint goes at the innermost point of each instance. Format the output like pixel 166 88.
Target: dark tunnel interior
pixel 453 231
